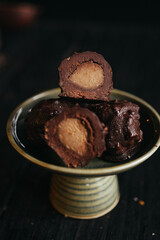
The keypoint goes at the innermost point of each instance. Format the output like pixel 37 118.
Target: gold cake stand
pixel 92 191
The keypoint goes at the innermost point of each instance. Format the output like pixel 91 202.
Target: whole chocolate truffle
pixel 85 75
pixel 124 133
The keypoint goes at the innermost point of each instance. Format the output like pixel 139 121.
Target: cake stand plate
pixel 93 190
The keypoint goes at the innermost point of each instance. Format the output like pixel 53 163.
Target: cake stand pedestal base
pixel 84 198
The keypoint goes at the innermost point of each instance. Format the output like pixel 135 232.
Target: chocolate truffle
pixel 76 135
pixel 124 130
pixel 85 75
pixel 124 133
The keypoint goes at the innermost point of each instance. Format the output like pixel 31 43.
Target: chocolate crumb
pixel 141 202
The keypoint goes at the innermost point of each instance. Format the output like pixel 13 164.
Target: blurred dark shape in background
pixel 23 14
pixel 18 15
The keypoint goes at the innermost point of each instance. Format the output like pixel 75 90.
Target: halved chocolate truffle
pixel 85 75
pixel 76 135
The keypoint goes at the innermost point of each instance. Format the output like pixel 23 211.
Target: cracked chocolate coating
pixel 70 89
pixel 124 134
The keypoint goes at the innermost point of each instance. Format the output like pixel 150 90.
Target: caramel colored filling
pixel 73 135
pixel 88 75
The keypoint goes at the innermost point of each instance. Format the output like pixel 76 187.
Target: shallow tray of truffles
pixel 47 157
pixel 84 122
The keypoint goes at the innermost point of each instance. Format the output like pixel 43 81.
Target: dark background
pixel 129 39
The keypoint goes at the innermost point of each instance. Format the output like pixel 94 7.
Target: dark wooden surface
pixel 28 65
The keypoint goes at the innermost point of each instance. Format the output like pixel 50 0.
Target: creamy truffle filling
pixel 73 135
pixel 88 75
